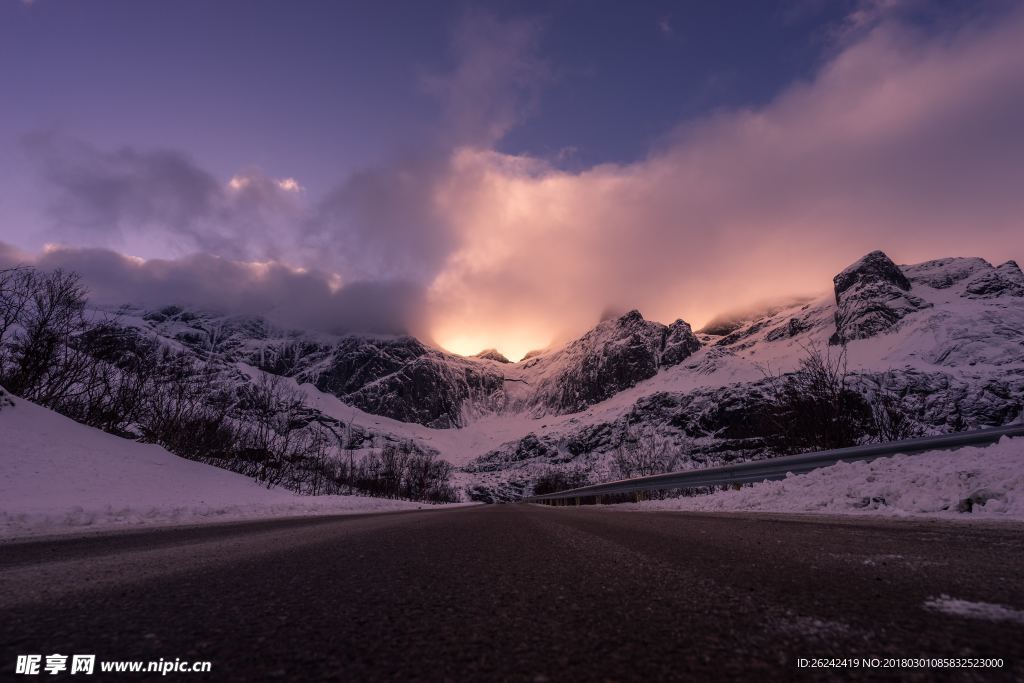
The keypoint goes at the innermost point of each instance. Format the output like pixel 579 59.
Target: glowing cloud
pixel 289 185
pixel 901 142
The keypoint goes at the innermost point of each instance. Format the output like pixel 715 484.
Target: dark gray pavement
pixel 520 593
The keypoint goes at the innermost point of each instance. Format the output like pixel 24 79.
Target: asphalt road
pixel 520 593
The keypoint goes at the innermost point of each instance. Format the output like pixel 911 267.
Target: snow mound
pixel 974 610
pixel 985 482
pixel 57 475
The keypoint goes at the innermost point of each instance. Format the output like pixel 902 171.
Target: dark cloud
pixel 160 198
pixel 383 222
pixel 295 298
pixel 102 191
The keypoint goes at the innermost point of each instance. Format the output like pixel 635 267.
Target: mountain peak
pixel 492 354
pixel 875 266
pixel 872 296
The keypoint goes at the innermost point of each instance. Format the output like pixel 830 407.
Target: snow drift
pixel 57 475
pixel 975 482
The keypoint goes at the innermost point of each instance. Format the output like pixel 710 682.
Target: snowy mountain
pixel 946 337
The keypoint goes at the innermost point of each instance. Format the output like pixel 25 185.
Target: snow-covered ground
pixel 58 476
pixel 981 482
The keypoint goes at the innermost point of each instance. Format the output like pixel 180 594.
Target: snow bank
pixel 977 482
pixel 58 476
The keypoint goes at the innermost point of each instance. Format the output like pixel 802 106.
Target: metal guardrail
pixel 778 468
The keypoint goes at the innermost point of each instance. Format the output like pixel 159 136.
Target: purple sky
pixel 499 174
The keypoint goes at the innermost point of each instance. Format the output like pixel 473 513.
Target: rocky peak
pixel 872 296
pixel 1004 280
pixel 613 356
pixel 946 272
pixel 492 354
pixel 874 268
pixel 680 344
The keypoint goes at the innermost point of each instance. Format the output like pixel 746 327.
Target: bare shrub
pixel 402 471
pixel 814 408
pixel 41 315
pixel 557 479
pixel 643 452
pixel 817 407
pixel 890 420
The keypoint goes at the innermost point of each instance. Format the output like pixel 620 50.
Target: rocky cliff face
pixel 974 277
pixel 396 377
pixel 434 390
pixel 615 355
pixel 1006 280
pixel 872 296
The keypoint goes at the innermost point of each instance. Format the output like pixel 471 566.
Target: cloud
pixel 289 185
pixel 869 13
pixel 496 80
pixel 244 181
pixel 161 201
pixel 293 297
pixel 906 142
pixel 382 222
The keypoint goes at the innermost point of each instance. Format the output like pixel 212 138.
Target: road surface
pixel 521 593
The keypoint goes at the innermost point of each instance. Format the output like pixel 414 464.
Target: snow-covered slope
pixel 945 336
pixel 981 482
pixel 56 474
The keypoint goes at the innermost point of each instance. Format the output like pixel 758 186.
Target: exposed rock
pixel 680 344
pixel 615 355
pixel 433 390
pixel 946 272
pixel 492 354
pixel 728 323
pixel 874 267
pixel 722 326
pixel 791 328
pixel 979 278
pixel 742 333
pixel 872 296
pixel 529 448
pixel 1006 280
